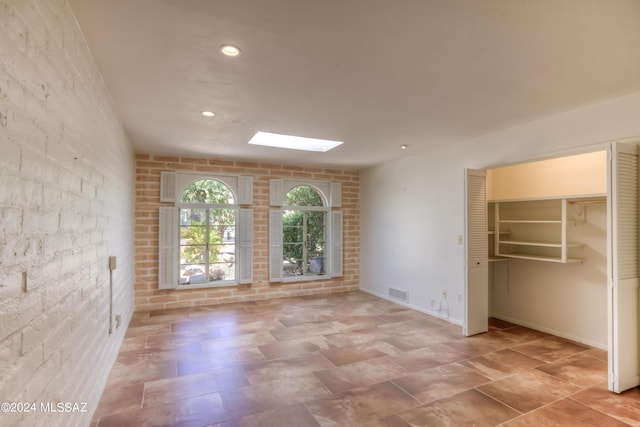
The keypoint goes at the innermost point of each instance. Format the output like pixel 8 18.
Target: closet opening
pixel 559 251
pixel 547 246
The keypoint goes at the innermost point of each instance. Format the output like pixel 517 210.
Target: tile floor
pixel 350 360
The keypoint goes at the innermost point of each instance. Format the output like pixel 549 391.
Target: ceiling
pixel 375 74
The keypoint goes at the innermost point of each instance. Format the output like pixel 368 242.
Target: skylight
pixel 293 142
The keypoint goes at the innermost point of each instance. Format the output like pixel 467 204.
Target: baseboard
pixel 550 331
pixel 414 307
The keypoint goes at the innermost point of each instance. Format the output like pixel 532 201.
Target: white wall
pixel 412 209
pixel 66 205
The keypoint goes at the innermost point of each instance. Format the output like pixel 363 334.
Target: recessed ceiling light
pixel 404 146
pixel 208 113
pixel 230 50
pixel 293 142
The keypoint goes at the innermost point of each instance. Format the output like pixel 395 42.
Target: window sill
pixel 208 285
pixel 293 279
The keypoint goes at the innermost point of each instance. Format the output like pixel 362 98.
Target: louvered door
pixel 477 270
pixel 623 242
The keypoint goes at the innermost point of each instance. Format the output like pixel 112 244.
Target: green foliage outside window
pixel 207 235
pixel 193 237
pixel 303 232
pixel 210 191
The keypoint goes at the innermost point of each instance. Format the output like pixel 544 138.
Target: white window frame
pixel 171 187
pixel 331 193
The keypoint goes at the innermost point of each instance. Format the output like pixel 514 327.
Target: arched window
pixel 206 239
pixel 305 232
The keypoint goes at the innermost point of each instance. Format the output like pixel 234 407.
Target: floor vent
pixel 398 294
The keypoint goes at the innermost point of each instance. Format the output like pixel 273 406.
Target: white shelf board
pixel 541 258
pixel 539 244
pixel 530 221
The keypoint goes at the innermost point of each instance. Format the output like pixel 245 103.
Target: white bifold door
pixel 476 319
pixel 622 267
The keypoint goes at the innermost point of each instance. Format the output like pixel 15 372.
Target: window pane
pixel 229 235
pixel 292 263
pixel 193 273
pixel 303 195
pixel 192 254
pixel 304 240
pixel 222 271
pixel 315 233
pixel 209 191
pixel 192 226
pixel 207 244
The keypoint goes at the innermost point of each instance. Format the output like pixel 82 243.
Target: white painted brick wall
pixel 66 205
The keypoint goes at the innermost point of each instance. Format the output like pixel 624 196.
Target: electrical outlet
pixel 444 293
pixel 459 297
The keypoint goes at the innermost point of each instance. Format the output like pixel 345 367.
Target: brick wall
pixel 147 294
pixel 66 203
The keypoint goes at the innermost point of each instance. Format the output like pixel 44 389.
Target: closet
pixel 561 251
pixel 547 246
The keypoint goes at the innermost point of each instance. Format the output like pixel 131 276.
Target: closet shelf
pixel 540 244
pixel 541 258
pixel 530 221
pixel 510 223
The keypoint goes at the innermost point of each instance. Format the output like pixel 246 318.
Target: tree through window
pixel 304 220
pixel 207 248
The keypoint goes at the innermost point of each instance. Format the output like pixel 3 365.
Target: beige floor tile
pixel 550 349
pixel 428 357
pixel 501 363
pixel 423 325
pixel 624 407
pixel 419 338
pixel 565 412
pixel 357 337
pixel 580 369
pixel 286 368
pixel 529 390
pixel 194 412
pixel 480 344
pixel 302 331
pixel 520 334
pixel 290 416
pixel 131 369
pixel 469 408
pixel 283 349
pixel 120 399
pixel 167 390
pixel 390 421
pixel 495 324
pixel 360 374
pixel 275 394
pixel 362 406
pixel 440 382
pixel 358 353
